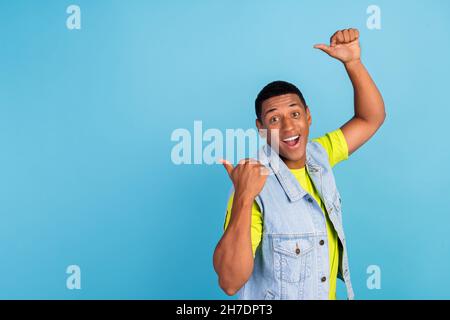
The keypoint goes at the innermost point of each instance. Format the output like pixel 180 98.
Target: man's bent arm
pixel 233 256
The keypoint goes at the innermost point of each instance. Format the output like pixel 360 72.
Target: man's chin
pixel 291 157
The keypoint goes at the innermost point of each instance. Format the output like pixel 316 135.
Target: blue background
pixel 86 117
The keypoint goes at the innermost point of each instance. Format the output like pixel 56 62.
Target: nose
pixel 287 124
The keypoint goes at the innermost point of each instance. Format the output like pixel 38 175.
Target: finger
pixel 346 36
pixel 340 37
pixel 351 34
pixel 355 34
pixel 243 161
pixel 227 165
pixel 333 39
pixel 264 171
pixel 252 161
pixel 333 42
pixel 323 47
pixel 248 161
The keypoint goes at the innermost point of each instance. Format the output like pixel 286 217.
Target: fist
pixel 248 177
pixel 344 46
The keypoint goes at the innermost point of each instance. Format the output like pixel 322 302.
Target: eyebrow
pixel 294 104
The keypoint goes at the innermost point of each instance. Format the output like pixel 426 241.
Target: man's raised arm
pixel 369 105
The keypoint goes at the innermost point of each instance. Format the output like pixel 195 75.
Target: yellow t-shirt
pixel 336 147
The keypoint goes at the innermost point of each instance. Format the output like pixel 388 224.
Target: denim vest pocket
pixel 291 257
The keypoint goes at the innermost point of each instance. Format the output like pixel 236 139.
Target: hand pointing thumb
pixel 227 165
pixel 324 48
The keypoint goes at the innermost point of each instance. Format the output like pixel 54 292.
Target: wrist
pixel 353 63
pixel 243 199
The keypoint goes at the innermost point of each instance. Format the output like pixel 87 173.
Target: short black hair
pixel 273 89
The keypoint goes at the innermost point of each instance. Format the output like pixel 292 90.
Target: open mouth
pixel 292 142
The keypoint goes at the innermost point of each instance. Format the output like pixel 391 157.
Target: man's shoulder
pixel 335 146
pixel 316 150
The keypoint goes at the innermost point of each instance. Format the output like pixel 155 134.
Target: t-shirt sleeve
pixel 335 145
pixel 256 223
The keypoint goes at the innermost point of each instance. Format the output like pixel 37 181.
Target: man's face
pixel 287 114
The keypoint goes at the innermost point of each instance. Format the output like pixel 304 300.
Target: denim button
pixel 321 242
pixel 297 251
pixel 323 279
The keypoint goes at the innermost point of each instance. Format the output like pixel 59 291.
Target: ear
pixel 308 116
pixel 260 127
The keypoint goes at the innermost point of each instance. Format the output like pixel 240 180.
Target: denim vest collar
pixel 287 180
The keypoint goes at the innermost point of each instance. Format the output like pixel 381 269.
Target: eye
pixel 296 114
pixel 273 119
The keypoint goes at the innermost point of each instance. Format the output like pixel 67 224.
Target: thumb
pixel 324 48
pixel 227 165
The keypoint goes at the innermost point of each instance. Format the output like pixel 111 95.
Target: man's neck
pixel 299 164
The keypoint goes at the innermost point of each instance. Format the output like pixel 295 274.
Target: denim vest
pixel 292 261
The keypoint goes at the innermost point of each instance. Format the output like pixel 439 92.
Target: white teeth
pixel 291 138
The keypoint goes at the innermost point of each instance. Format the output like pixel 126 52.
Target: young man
pixel 283 236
